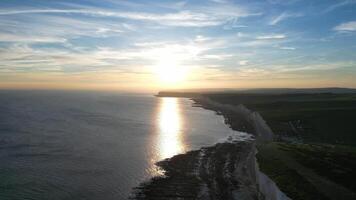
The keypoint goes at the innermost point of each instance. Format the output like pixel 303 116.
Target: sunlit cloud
pixel 283 16
pixel 7 37
pixel 243 62
pixel 283 2
pixel 288 48
pixel 339 4
pixel 272 37
pixel 208 16
pixel 346 27
pixel 200 38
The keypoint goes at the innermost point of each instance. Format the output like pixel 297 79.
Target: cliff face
pixel 268 188
pixel 255 124
pixel 226 171
pixel 249 121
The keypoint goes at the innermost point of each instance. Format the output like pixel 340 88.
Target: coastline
pixel 240 118
pixel 226 170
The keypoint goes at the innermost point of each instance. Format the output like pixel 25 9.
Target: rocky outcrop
pixel 223 171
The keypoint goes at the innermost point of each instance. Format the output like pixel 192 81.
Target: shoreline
pixel 227 170
pixel 239 118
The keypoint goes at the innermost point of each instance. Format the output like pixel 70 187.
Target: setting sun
pixel 169 71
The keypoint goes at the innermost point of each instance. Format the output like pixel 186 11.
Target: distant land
pixel 194 92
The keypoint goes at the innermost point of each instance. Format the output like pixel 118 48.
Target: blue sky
pixel 120 44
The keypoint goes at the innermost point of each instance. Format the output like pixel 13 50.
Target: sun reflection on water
pixel 170 127
pixel 168 139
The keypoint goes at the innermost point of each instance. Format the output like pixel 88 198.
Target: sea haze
pixel 86 145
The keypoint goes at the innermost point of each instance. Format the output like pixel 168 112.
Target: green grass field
pixel 335 162
pixel 287 179
pixel 327 118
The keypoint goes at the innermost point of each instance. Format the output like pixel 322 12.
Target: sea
pixel 59 145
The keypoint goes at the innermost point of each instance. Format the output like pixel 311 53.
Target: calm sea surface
pixel 86 145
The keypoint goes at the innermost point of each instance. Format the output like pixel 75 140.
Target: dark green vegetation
pixel 323 117
pixel 310 171
pixel 287 179
pixel 337 163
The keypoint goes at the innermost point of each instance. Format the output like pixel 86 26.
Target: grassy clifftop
pixel 310 171
pixel 324 117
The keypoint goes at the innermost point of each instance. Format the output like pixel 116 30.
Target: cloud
pixel 346 27
pixel 57 29
pixel 287 48
pixel 283 16
pixel 283 2
pixel 339 5
pixel 215 56
pixel 7 37
pixel 200 38
pixel 208 16
pixel 243 62
pixel 253 73
pixel 20 57
pixel 219 1
pixel 313 67
pixel 183 18
pixel 241 35
pixel 271 37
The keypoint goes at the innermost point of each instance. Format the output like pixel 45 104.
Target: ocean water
pixel 93 145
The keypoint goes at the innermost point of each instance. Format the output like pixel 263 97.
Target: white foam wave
pixel 237 136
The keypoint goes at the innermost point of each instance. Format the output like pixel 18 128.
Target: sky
pixel 153 45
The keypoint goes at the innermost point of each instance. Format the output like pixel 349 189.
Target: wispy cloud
pixel 216 56
pixel 18 57
pixel 206 17
pixel 219 1
pixel 183 18
pixel 201 38
pixel 346 27
pixel 57 29
pixel 7 37
pixel 243 62
pixel 283 16
pixel 287 48
pixel 339 5
pixel 283 2
pixel 313 67
pixel 272 37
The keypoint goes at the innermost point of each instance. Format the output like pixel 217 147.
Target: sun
pixel 168 70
